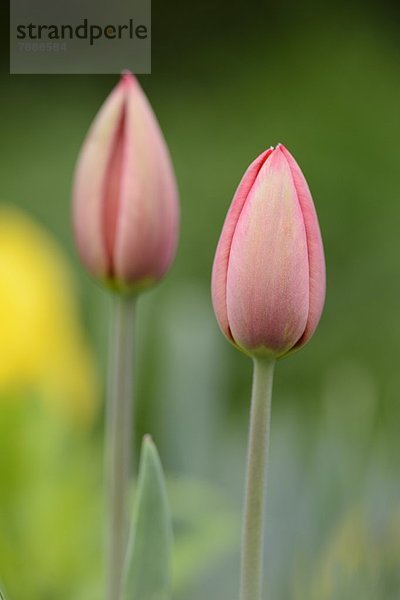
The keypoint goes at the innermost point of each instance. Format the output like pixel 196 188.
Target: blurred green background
pixel 228 80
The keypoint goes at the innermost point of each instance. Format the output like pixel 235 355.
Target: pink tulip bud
pixel 268 281
pixel 125 201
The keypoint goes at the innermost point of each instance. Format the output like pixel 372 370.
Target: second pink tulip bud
pixel 125 200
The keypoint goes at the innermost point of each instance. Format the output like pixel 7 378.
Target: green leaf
pixel 147 574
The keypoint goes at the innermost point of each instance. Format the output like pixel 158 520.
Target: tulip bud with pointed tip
pixel 268 280
pixel 125 201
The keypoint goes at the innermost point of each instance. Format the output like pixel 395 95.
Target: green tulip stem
pixel 119 416
pixel 255 487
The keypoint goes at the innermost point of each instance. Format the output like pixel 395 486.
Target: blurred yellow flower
pixel 42 346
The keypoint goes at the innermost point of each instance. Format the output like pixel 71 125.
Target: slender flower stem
pixel 119 439
pixel 255 490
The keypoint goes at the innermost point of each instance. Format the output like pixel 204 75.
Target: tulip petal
pixel 220 267
pixel 268 273
pixel 112 187
pixel 147 220
pixel 317 280
pixel 88 194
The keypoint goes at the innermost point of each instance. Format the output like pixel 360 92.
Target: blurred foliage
pixel 359 562
pixel 227 82
pixel 50 505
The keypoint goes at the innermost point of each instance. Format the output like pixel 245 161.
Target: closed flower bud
pixel 268 281
pixel 125 201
